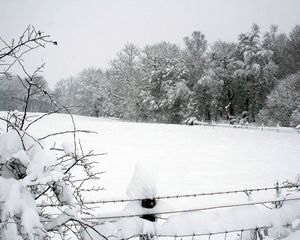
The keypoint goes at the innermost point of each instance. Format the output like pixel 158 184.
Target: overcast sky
pixel 91 32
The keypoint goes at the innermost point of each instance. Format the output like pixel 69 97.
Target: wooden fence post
pixel 149 204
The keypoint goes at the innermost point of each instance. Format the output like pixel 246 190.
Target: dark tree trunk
pixel 230 98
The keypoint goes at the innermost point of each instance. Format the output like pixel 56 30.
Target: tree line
pixel 254 79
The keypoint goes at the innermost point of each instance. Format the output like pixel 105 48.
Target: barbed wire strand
pixel 208 234
pixel 203 234
pixel 193 210
pixel 187 210
pixel 188 235
pixel 181 196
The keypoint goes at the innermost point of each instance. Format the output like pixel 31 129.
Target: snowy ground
pixel 185 159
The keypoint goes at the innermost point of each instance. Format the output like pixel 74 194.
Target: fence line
pixel 246 191
pixel 239 126
pixel 209 234
pixel 195 209
pixel 93 220
pixel 189 210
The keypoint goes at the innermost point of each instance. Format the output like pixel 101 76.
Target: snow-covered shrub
pixel 41 196
pixel 39 191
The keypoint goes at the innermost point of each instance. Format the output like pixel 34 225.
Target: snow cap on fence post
pixel 143 186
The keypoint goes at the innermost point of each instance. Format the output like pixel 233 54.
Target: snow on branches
pixel 41 197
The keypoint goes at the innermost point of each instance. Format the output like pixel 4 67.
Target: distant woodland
pixel 255 79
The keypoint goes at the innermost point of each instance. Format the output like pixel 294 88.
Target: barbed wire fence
pixel 246 191
pixel 255 232
pixel 93 221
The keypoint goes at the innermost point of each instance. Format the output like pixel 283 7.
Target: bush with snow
pixel 40 192
pixel 34 176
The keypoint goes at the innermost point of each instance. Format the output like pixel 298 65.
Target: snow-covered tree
pixel 126 83
pixel 256 69
pixel 194 56
pixel 12 95
pixel 10 91
pixel 283 103
pixel 90 91
pixel 167 94
pixel 293 50
pixel 278 43
pixel 217 84
pixel 87 93
pixel 163 82
pixel 65 91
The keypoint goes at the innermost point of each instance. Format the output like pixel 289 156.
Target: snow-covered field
pixel 184 159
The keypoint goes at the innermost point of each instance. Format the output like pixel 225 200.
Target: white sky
pixel 91 32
